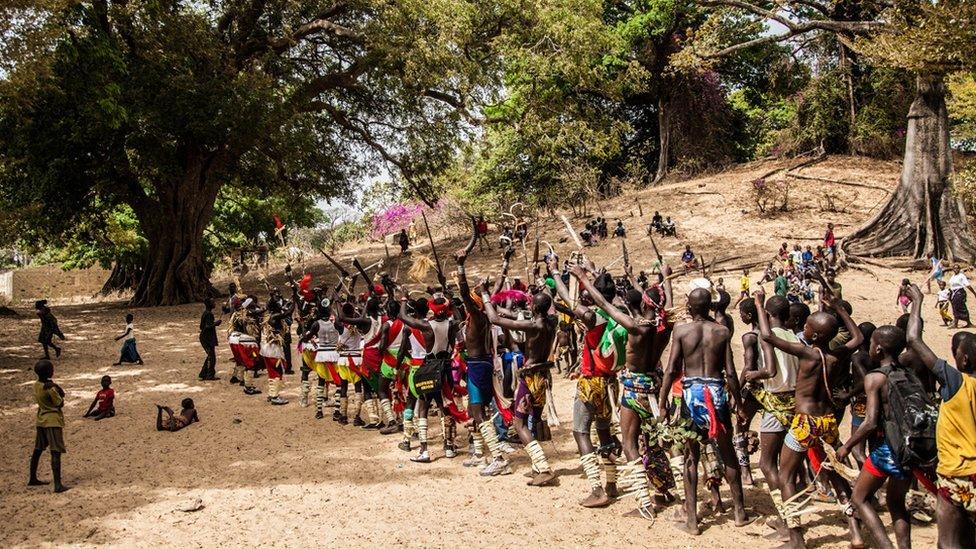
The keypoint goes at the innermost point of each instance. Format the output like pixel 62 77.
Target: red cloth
pixel 829 239
pixel 371 360
pixel 273 365
pixel 106 399
pixel 715 427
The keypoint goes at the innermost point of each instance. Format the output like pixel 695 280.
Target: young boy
pixel 129 354
pixel 50 424
pixel 887 342
pixel 955 433
pixel 208 340
pixel 744 285
pixel 943 303
pixel 104 404
pixel 814 422
pixel 49 329
pixel 173 422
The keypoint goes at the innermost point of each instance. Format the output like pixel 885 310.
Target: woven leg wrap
pixel 343 406
pixel 387 407
pixel 791 509
pixel 610 470
pixel 633 481
pixel 319 397
pixel 408 424
pixel 355 404
pixel 238 371
pixel 306 388
pixel 488 432
pixel 421 429
pixel 591 468
pixel 373 410
pixel 538 457
pixel 248 378
pixel 444 432
pixel 478 442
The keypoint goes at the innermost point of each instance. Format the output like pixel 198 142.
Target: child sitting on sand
pixel 174 422
pixel 104 404
pixel 128 353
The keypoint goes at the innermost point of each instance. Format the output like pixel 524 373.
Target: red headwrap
pixel 439 309
pixel 660 313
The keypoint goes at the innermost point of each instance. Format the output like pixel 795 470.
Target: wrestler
pixel 273 347
pixel 592 403
pixel 751 357
pixel 480 361
pixel 955 432
pixel 777 373
pixel 350 351
pixel 534 377
pixel 326 333
pixel 437 337
pixel 412 344
pixel 701 350
pixel 814 422
pixel 391 383
pixel 243 340
pixel 372 326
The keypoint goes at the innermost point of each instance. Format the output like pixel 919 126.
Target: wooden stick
pixel 433 249
pixel 572 233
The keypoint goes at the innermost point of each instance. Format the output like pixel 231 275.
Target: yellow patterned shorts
pixel 808 431
pixel 592 391
pixel 960 491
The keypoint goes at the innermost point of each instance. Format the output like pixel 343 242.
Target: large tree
pixel 933 39
pixel 158 105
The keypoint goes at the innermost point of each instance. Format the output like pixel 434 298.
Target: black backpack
pixel 910 418
pixel 429 377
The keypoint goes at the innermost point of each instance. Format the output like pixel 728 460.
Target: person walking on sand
pixel 958 284
pixel 128 354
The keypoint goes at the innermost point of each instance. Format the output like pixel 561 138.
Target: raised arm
pixel 621 317
pixel 361 322
pixel 416 323
pixel 563 292
pixel 914 331
pixel 463 288
pixel 508 323
pixel 857 338
pixel 794 348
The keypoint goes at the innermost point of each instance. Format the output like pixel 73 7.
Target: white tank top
pixel 374 329
pixel 442 330
pixel 350 342
pixel 786 365
pixel 328 336
pixel 417 349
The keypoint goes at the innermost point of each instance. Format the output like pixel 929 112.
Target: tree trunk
pixel 922 216
pixel 125 276
pixel 176 268
pixel 664 139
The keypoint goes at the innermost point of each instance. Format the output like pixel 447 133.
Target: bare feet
pixel 746 520
pixel 611 489
pixel 597 498
pixel 61 488
pixel 544 478
pixel 640 513
pixel 688 528
pixel 37 482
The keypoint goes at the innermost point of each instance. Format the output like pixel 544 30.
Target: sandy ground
pixel 275 476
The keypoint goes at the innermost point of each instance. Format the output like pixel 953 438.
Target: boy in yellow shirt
pixel 50 424
pixel 955 432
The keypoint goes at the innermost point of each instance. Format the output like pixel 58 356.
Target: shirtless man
pixel 814 423
pixel 648 335
pixel 592 401
pixel 478 343
pixel 701 350
pixel 534 375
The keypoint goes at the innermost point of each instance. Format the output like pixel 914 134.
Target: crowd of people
pixel 479 356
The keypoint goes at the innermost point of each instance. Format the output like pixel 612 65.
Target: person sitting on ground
pixel 769 274
pixel 688 258
pixel 784 252
pixel 807 258
pixel 128 354
pixel 104 404
pixel 656 222
pixel 619 231
pixel 781 286
pixel 668 228
pixel 174 422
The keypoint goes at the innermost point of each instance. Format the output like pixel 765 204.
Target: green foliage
pixel 963 185
pixel 243 217
pixel 962 109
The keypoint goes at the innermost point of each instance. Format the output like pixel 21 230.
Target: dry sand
pixel 275 476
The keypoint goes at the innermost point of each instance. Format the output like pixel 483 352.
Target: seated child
pixel 128 353
pixel 104 404
pixel 173 422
